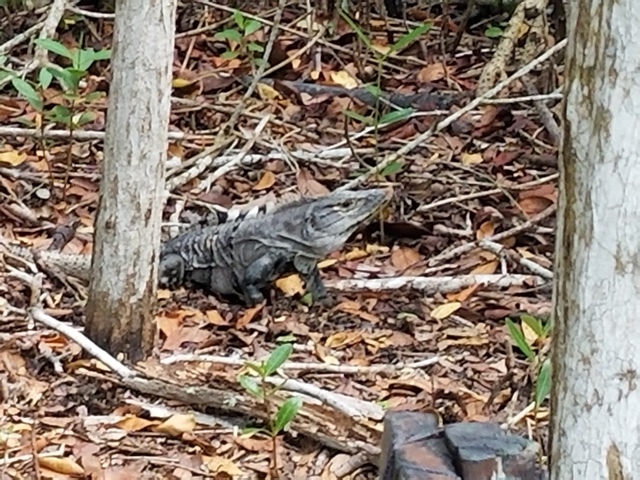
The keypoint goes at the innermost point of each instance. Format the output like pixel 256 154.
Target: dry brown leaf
pixel 218 464
pixel 181 82
pixel 443 311
pixel 290 285
pixel 471 158
pixel 486 268
pixel 266 181
pixel 177 424
pixel 533 205
pixel 462 295
pixel 432 73
pixel 12 158
pixel 268 93
pixel 485 230
pixel 132 423
pixel 62 465
pixel 327 263
pixel 343 339
pixel 214 318
pixel 404 257
pixel 344 79
pixel 248 316
pixel 308 186
pixel 355 254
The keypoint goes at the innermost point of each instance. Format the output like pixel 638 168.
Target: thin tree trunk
pixel 595 402
pixel 122 295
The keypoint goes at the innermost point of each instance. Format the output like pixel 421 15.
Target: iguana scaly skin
pixel 256 245
pixel 244 256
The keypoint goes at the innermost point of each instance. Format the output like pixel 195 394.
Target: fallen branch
pixel 431 285
pixel 307 367
pixel 332 427
pixel 80 134
pixel 499 250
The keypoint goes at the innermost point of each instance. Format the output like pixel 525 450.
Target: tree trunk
pixel 595 401
pixel 122 295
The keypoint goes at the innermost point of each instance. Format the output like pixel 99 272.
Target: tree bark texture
pixel 121 302
pixel 595 401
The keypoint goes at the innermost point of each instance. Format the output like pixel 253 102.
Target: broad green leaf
pixel 230 54
pixel 518 338
pixel 277 358
pixel 83 118
pixel 358 117
pixel 44 78
pixel 409 37
pixel 286 413
pixel 543 382
pixel 238 18
pixel 255 47
pixel 251 386
pixel 229 34
pixel 55 47
pixel 533 323
pixel 4 75
pixel 392 168
pixel 286 338
pixel 28 92
pixel 251 27
pixel 104 54
pixel 93 96
pixel 397 115
pixel 493 32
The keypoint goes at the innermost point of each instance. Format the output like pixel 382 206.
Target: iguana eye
pixel 348 204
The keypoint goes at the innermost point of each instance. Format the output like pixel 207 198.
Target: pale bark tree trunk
pixel 595 401
pixel 127 228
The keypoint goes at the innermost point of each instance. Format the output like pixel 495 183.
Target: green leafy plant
pixel 260 388
pixel 238 36
pixel 378 119
pixel 538 360
pixel 72 112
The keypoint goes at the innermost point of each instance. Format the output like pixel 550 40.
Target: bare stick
pixel 79 134
pixel 420 139
pixel 18 39
pixel 499 249
pixel 431 285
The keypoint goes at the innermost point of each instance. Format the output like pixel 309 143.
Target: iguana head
pixel 331 220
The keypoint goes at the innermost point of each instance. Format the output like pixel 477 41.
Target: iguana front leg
pixel 256 276
pixel 308 268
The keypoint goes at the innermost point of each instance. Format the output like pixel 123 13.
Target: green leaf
pixel 409 37
pixel 258 368
pixel 251 27
pixel 286 338
pixel 44 78
pixel 251 386
pixel 230 54
pixel 238 18
pixel 104 54
pixel 493 32
pixel 533 323
pixel 287 412
pixel 28 92
pixel 229 34
pixel 250 431
pixel 84 118
pixel 4 75
pixel 358 117
pixel 518 338
pixel 397 115
pixel 55 47
pixel 277 358
pixel 543 383
pixel 391 169
pixel 90 97
pixel 373 90
pixel 254 47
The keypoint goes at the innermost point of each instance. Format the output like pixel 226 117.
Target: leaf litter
pixel 486 174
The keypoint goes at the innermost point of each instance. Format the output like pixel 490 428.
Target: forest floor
pixel 461 190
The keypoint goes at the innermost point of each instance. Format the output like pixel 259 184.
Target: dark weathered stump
pixel 415 448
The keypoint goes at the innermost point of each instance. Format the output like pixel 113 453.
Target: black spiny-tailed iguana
pixel 254 247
